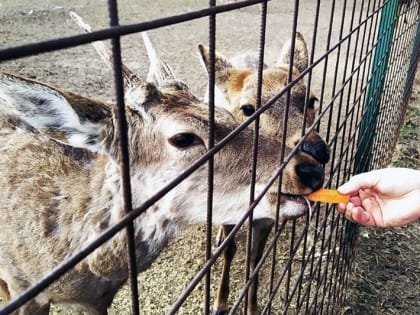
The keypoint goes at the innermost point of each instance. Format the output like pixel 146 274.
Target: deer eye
pixel 248 109
pixel 185 140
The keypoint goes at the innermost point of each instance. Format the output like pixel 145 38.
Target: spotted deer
pixel 61 185
pixel 236 82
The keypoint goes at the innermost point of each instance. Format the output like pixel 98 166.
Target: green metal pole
pixel 378 71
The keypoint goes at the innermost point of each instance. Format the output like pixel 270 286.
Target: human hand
pixel 382 198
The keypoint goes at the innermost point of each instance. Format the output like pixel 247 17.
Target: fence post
pixel 378 71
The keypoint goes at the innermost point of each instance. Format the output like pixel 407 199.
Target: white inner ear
pixel 46 109
pixel 284 57
pixel 219 99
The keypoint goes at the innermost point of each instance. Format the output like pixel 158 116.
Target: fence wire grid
pixel 363 57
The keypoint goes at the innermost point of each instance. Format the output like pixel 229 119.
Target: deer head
pixel 236 90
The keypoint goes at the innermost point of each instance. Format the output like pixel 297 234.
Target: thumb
pixel 357 182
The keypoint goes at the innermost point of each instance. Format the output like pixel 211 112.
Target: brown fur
pixel 4 291
pixel 61 186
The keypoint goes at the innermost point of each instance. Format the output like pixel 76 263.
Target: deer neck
pixel 152 229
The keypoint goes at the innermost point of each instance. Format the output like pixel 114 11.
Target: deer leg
pixel 260 231
pixel 4 291
pixel 220 306
pixel 220 236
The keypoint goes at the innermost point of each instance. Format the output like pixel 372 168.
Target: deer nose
pixel 311 176
pixel 317 149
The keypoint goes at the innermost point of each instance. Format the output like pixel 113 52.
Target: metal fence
pixel 362 60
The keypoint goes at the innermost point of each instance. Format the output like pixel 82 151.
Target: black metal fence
pixel 363 57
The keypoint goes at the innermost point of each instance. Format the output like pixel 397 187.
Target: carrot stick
pixel 328 196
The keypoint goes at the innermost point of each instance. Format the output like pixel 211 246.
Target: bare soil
pixel 386 270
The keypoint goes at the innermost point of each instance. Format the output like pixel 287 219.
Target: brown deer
pixel 236 90
pixel 61 185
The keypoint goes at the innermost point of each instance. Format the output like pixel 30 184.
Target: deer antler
pixel 130 79
pixel 159 70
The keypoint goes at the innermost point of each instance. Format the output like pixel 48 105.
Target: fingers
pixel 363 209
pixel 355 201
pixel 341 207
pixel 363 217
pixel 356 214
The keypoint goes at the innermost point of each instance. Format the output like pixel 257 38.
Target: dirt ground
pixel 385 279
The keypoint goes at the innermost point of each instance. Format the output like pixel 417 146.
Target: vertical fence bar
pixel 312 248
pixel 124 163
pixel 210 163
pixel 250 248
pixel 288 98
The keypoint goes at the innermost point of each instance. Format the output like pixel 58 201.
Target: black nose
pixel 317 149
pixel 311 176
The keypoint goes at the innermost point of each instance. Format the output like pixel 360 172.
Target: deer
pixel 236 81
pixel 62 186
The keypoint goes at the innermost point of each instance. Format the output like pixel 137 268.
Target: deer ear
pixel 221 63
pixel 62 116
pixel 300 57
pixel 223 70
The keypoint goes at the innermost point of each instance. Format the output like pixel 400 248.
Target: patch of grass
pixel 407 152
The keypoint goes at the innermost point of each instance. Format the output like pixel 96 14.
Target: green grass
pixel 407 152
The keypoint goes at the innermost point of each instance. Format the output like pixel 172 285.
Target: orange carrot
pixel 328 196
